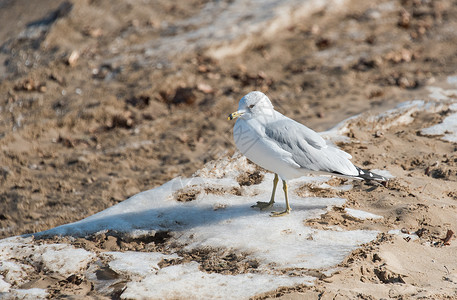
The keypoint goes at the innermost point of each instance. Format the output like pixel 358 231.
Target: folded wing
pixel 308 149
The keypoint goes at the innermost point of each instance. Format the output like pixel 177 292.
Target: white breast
pixel 253 143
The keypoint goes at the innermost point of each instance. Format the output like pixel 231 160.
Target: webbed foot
pixel 263 205
pixel 280 214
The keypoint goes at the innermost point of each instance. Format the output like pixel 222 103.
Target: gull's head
pixel 253 104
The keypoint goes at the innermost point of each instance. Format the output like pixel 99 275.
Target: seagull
pixel 287 148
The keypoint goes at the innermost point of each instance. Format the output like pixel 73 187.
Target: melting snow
pixel 361 215
pixel 4 286
pixel 186 281
pixel 217 218
pixel 398 232
pixel 228 221
pixel 136 263
pixel 447 128
pixel 60 258
pixel 26 294
pixel 441 94
pixel 452 80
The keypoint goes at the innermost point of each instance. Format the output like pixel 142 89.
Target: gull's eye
pixel 251 106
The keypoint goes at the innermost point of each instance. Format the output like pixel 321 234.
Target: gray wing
pixel 308 149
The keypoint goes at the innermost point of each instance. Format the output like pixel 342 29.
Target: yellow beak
pixel 235 115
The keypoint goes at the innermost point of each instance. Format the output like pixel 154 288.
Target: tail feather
pixel 368 175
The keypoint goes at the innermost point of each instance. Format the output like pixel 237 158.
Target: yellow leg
pixel 287 211
pixel 265 205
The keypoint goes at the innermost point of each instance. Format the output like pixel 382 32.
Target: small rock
pixel 378 134
pixel 30 85
pixel 405 19
pixel 111 243
pixel 202 68
pixel 387 276
pixel 139 101
pixel 124 120
pixel 315 29
pixel 205 88
pixel 323 43
pixel 184 95
pixel 376 257
pixel 73 58
pixel 93 32
pixel 135 23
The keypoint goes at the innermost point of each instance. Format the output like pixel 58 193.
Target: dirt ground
pixel 83 126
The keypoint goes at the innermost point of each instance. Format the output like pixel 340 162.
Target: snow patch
pixel 60 258
pixel 4 286
pixel 361 215
pixel 441 94
pixel 136 263
pixel 447 128
pixel 25 294
pixel 215 217
pixel 14 271
pixel 403 235
pixel 402 114
pixel 186 281
pixel 452 80
pixel 227 221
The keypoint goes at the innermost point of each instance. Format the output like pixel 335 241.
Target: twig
pixel 448 237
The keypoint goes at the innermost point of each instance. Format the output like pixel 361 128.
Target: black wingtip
pixel 369 176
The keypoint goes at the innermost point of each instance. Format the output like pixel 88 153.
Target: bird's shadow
pixel 167 219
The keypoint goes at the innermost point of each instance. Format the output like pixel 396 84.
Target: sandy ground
pixel 83 127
